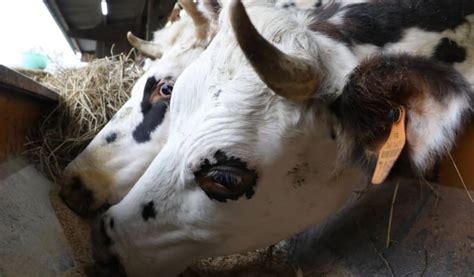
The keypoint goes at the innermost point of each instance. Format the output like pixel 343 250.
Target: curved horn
pixel 288 76
pixel 148 48
pixel 200 21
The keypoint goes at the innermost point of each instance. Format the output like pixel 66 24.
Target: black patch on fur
pixel 230 162
pixel 449 51
pixel 382 22
pixel 111 223
pixel 147 91
pixel 149 211
pixel 152 119
pixel 111 137
pixel 377 87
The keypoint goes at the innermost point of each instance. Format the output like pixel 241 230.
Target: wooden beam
pixel 14 81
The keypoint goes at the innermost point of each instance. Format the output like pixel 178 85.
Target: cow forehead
pixel 210 91
pixel 220 103
pixel 222 75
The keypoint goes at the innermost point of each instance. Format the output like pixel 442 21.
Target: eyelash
pixel 224 178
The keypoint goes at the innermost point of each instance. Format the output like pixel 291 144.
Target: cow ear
pixel 437 100
pixel 210 8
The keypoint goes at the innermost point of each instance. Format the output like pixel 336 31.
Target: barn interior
pixel 412 230
pixel 95 35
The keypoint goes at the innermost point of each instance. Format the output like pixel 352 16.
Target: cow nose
pixel 76 196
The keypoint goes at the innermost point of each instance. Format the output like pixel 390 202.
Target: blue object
pixel 33 60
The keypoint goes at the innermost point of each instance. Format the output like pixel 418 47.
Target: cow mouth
pixel 105 262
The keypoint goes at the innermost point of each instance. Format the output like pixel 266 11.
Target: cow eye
pixel 226 182
pixel 166 89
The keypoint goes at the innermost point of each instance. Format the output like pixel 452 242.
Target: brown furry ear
pixel 438 100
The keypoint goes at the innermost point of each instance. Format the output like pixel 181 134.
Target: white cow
pixel 280 118
pixel 105 171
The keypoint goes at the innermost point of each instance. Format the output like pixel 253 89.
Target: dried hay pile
pixel 89 97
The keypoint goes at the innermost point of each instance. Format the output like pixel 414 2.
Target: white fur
pixel 219 103
pixel 125 160
pixel 247 121
pixel 427 125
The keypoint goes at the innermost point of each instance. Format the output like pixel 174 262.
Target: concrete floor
pixel 430 236
pixel 32 242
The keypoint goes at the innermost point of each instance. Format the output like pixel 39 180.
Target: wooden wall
pixel 22 102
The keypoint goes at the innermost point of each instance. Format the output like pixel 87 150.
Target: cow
pixel 114 160
pixel 281 117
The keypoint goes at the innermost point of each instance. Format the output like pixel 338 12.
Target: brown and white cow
pixel 282 116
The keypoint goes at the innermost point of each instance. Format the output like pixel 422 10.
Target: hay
pixel 89 97
pixel 36 75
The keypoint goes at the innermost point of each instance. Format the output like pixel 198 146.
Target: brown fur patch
pixel 378 86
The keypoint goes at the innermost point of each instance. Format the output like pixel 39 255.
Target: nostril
pixel 76 183
pixel 76 196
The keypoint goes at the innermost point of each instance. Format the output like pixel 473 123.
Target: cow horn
pixel 287 75
pixel 148 48
pixel 201 23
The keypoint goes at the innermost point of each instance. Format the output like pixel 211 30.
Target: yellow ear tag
pixel 391 149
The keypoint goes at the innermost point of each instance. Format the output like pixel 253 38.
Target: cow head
pixel 239 168
pixel 123 149
pixel 251 156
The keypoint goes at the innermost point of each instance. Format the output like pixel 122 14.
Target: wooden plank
pixel 22 102
pixel 18 115
pixel 14 81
